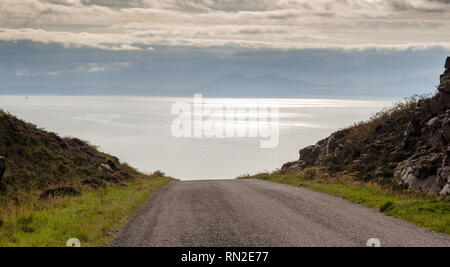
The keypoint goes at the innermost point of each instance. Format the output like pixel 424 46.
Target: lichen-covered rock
pixel 310 155
pixel 424 172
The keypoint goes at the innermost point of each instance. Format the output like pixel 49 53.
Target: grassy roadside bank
pixel 93 218
pixel 414 207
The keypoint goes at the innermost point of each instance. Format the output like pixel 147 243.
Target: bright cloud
pixel 279 24
pixel 85 68
pixel 96 67
pixel 23 72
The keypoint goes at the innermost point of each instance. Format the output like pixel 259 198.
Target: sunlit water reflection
pixel 138 130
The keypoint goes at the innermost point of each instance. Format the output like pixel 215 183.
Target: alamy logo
pixel 203 120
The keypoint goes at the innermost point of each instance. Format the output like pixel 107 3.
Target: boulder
pixel 2 167
pixel 447 63
pixel 112 165
pixel 423 172
pixel 424 169
pixel 310 154
pixel 429 184
pixel 106 167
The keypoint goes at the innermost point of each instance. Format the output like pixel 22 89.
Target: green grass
pixel 93 217
pixel 424 211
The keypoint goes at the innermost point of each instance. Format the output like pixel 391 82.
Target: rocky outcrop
pixel 429 168
pixel 409 146
pixel 111 173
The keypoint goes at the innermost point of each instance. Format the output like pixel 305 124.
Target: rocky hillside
pixel 407 145
pixel 33 160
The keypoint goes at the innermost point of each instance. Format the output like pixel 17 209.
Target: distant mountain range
pixel 271 85
pixel 231 85
pixel 28 68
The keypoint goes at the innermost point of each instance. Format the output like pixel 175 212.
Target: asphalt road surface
pixel 254 213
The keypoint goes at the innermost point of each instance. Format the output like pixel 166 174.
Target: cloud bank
pixel 275 24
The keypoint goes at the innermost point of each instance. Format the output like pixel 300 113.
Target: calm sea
pixel 138 131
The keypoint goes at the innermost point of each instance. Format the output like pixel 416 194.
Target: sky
pixel 335 48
